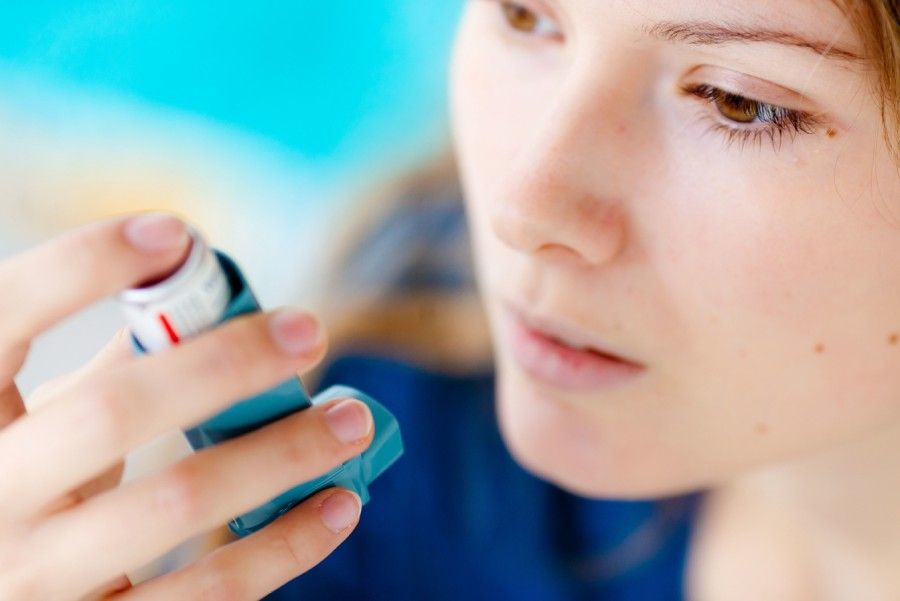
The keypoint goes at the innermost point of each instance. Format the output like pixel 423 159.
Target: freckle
pixel 894 338
pixel 832 132
pixel 761 428
pixel 820 348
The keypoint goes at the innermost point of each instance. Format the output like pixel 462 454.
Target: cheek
pixel 496 103
pixel 493 108
pixel 787 298
pixel 755 255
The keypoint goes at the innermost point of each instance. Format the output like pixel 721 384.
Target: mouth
pixel 563 356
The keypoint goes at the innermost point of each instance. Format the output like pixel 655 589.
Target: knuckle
pixel 105 414
pixel 308 443
pixel 243 346
pixel 180 496
pixel 295 452
pixel 299 556
pixel 231 352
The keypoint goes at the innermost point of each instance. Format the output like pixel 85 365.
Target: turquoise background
pixel 336 81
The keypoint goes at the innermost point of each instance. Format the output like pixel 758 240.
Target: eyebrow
pixel 706 33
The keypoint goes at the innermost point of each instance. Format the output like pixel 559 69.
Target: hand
pixel 66 530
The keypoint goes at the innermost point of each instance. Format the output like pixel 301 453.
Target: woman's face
pixel 693 186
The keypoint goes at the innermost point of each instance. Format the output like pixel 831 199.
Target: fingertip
pixel 156 232
pixel 297 333
pixel 350 420
pixel 340 510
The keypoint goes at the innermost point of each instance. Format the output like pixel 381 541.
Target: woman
pixel 685 229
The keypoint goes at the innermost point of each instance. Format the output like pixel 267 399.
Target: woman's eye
pixel 745 111
pixel 736 108
pixel 749 119
pixel 519 17
pixel 525 20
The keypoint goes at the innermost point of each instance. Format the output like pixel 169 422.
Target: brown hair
pixel 442 328
pixel 878 24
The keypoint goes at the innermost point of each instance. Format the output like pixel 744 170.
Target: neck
pixel 849 494
pixel 822 527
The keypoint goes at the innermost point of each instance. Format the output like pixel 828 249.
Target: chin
pixel 562 443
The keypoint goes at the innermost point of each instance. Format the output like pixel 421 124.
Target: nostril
pixel 552 249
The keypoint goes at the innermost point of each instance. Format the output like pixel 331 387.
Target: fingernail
pixel 350 420
pixel 156 232
pixel 340 511
pixel 295 332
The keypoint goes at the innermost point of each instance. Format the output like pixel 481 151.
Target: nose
pixel 562 197
pixel 545 217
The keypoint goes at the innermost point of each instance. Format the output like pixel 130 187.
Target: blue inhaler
pixel 209 289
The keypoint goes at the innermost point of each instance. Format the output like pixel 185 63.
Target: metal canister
pixel 189 301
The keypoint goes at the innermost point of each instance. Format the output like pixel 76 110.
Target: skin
pixel 758 283
pixel 66 532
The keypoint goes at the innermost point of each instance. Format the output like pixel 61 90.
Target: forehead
pixel 822 20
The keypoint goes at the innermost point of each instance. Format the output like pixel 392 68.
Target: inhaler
pixel 205 291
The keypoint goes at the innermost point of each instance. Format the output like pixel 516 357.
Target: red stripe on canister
pixel 173 336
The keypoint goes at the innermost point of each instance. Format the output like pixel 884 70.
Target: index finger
pixel 49 282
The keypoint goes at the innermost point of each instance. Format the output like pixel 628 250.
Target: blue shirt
pixel 457 518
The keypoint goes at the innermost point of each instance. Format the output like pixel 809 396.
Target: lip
pixel 558 355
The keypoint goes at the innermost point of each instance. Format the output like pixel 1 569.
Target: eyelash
pixel 778 121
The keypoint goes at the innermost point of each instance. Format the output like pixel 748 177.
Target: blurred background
pixel 260 122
